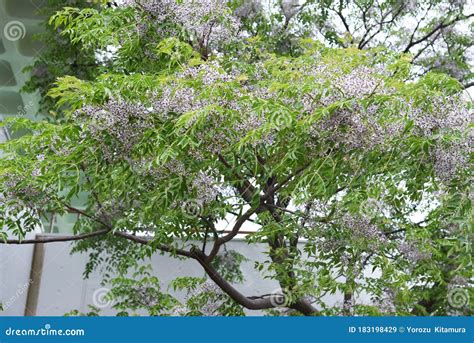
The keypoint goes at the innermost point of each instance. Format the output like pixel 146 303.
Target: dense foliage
pixel 355 172
pixel 58 57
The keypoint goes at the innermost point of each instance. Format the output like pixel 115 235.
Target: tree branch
pixel 52 239
pixel 382 22
pixel 234 232
pixel 248 190
pixel 438 27
pixel 251 303
pixel 145 241
pixel 469 84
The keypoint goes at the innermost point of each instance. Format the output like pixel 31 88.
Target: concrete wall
pixel 62 288
pixel 15 266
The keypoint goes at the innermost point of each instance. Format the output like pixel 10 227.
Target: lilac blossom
pixel 125 122
pixel 361 228
pixel 204 186
pixel 207 22
pixel 412 253
pixel 386 304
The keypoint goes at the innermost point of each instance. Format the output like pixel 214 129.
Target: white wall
pixel 63 288
pixel 15 266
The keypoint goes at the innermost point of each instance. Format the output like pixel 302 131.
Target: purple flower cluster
pixel 449 115
pixel 386 304
pixel 207 22
pixel 254 121
pixel 458 281
pixel 355 125
pixel 204 186
pixel 360 83
pixel 450 158
pixel 249 9
pixel 358 126
pixel 412 253
pixel 445 115
pixel 180 99
pixel 210 74
pixel 17 195
pixel 124 122
pixel 350 229
pixel 361 229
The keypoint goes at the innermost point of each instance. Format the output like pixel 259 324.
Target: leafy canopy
pixel 330 153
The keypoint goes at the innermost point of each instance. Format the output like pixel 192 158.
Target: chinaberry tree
pixel 332 154
pixel 437 34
